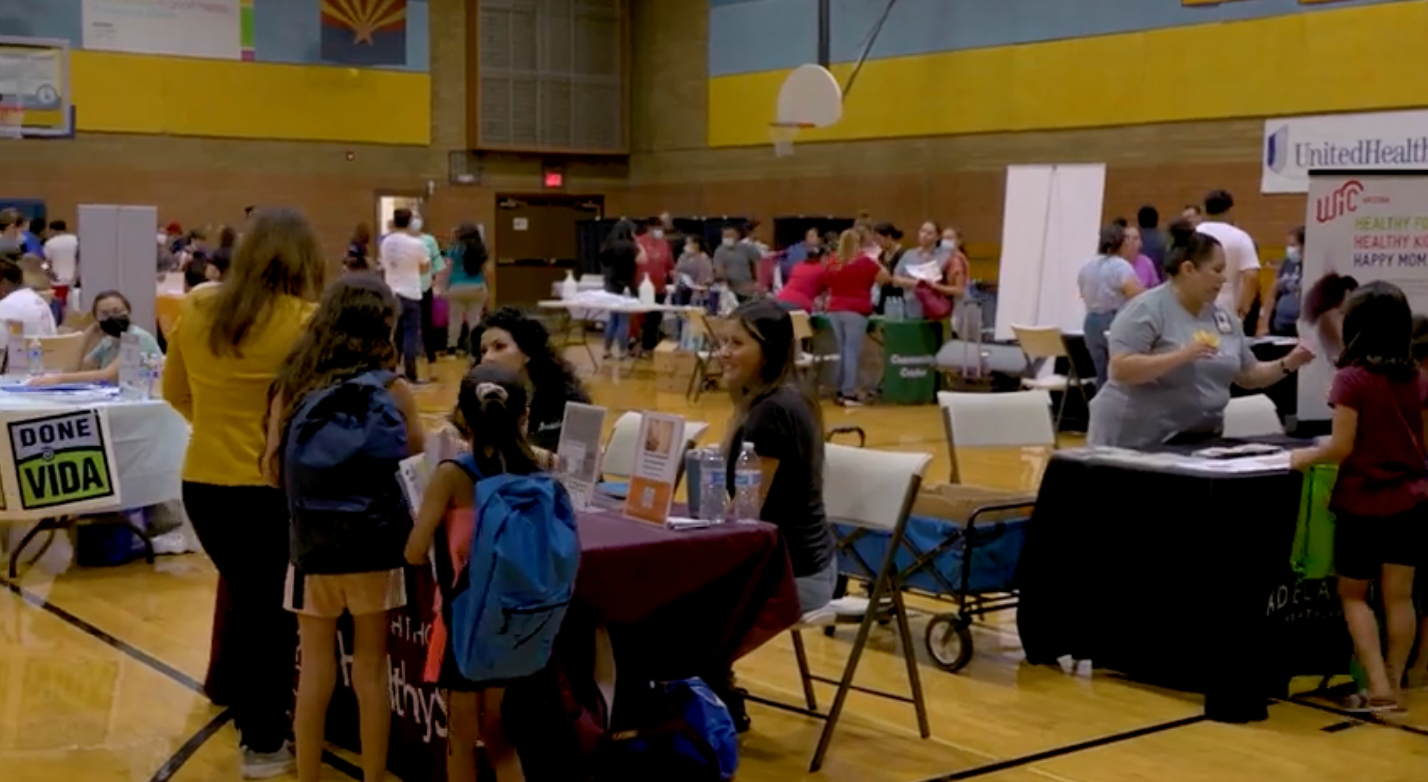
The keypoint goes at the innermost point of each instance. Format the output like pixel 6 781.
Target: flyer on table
pixel 659 449
pixel 1369 226
pixel 61 463
pixel 579 451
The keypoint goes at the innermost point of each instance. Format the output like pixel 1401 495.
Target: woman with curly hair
pixel 520 343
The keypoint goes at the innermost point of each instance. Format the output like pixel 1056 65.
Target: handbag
pixel 1312 556
pixel 935 306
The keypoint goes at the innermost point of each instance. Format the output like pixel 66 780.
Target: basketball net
pixel 783 134
pixel 12 120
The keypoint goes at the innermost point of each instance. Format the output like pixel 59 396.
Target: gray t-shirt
pixel 1188 399
pixel 739 264
pixel 916 264
pixel 1102 282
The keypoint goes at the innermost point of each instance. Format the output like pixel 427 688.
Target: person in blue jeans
pixel 1106 283
pixel 620 256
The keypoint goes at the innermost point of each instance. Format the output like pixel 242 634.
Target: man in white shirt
pixel 62 252
pixel 1241 258
pixel 20 304
pixel 404 259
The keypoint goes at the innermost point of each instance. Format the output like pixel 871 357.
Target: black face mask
pixel 114 325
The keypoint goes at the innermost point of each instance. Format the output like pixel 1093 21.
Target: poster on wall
pixel 1364 225
pixel 61 463
pixel 211 29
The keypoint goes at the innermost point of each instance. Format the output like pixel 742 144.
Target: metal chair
pixel 872 491
pixel 706 365
pixel 1046 344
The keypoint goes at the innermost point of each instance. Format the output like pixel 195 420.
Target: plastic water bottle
pixel 647 291
pixel 713 495
pixel 34 357
pixel 748 475
pixel 569 288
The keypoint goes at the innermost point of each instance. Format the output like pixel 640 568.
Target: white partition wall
pixel 118 252
pixel 1050 226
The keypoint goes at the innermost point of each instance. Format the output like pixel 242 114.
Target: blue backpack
pixel 511 598
pixel 683 732
pixel 348 512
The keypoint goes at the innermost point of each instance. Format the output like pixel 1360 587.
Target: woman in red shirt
pixel 850 278
pixel 805 282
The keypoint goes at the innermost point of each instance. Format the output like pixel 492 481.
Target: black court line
pixel 1070 749
pixel 166 670
pixel 94 632
pixel 191 747
pixel 1366 719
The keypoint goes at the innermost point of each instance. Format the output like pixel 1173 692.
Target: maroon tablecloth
pixel 676 604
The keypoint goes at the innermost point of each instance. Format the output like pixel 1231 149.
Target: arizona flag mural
pixel 364 32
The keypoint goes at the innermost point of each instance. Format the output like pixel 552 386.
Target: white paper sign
pixel 211 29
pixel 658 451
pixel 58 463
pixel 578 452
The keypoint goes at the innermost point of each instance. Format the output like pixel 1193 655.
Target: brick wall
pixel 956 179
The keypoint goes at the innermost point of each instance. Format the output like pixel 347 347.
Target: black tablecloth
pixel 1178 580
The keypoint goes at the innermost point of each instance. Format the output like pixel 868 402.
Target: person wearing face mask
pixel 111 313
pixel 736 262
pixel 1279 316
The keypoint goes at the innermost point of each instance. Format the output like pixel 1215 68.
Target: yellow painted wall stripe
pixel 1355 59
pixel 126 93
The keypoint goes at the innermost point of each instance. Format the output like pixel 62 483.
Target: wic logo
pixel 1340 202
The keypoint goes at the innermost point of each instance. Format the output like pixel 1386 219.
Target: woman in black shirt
pixel 619 258
pixel 511 339
pixel 785 427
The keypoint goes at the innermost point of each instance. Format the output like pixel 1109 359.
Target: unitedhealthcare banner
pixel 1385 140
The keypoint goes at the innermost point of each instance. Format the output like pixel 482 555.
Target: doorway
pixel 537 242
pixel 387 205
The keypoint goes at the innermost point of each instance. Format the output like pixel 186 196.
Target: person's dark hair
pixel 279 256
pixel 402 218
pixel 349 334
pixel 1298 234
pixel 473 248
pixel 94 308
pixel 888 230
pixel 362 234
pixel 1420 338
pixel 37 226
pixel 742 229
pixel 1113 237
pixel 10 271
pixel 772 327
pixel 1328 293
pixel 551 375
pixel 248 211
pixel 697 241
pixel 195 273
pixel 489 409
pixel 1378 331
pixel 1187 244
pixel 58 225
pixel 621 233
pixel 1121 222
pixel 1218 202
pixel 1147 216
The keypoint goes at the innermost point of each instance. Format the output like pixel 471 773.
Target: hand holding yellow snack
pixel 1207 338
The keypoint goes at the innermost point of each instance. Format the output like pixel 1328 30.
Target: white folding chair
pixel 618 463
pixel 1252 416
pixel 872 492
pixel 1018 419
pixel 1046 344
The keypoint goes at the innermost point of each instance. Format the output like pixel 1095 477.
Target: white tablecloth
pixel 150 441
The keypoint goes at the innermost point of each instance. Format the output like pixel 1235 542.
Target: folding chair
pixel 807 362
pixel 873 492
pixel 706 364
pixel 1046 344
pixel 618 462
pixel 1252 416
pixel 1018 419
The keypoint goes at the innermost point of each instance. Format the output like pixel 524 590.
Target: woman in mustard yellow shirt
pixel 224 353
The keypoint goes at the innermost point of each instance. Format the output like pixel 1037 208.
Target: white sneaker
pixel 266 765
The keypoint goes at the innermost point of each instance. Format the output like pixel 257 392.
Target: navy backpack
pixel 512 597
pixel 348 512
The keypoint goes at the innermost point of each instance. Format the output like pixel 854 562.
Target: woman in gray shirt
pixel 1106 283
pixel 1175 354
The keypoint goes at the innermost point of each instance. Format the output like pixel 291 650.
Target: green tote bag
pixel 1313 553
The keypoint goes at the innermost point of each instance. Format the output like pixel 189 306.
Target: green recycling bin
pixel 909 360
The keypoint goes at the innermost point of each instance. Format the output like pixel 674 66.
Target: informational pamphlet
pixel 578 453
pixel 659 448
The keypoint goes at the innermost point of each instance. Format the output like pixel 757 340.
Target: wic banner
pixel 1365 225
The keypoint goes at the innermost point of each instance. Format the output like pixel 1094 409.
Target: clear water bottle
pixel 34 357
pixel 713 494
pixel 748 475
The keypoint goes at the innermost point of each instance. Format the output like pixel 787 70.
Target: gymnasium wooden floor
pixel 99 670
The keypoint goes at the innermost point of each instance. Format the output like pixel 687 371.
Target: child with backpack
pixel 505 561
pixel 339 422
pixel 1380 498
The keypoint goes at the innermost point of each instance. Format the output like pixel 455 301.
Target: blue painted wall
pixel 747 36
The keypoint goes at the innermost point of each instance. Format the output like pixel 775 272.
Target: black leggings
pixel 244 529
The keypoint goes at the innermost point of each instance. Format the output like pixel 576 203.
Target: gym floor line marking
pixel 1069 749
pixel 161 667
pixel 190 748
pixel 1366 719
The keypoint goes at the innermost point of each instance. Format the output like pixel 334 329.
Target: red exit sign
pixel 553 179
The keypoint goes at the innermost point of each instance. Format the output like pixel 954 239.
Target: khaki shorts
pixel 330 596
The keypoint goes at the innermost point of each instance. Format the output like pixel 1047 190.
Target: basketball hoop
pixel 783 134
pixel 12 120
